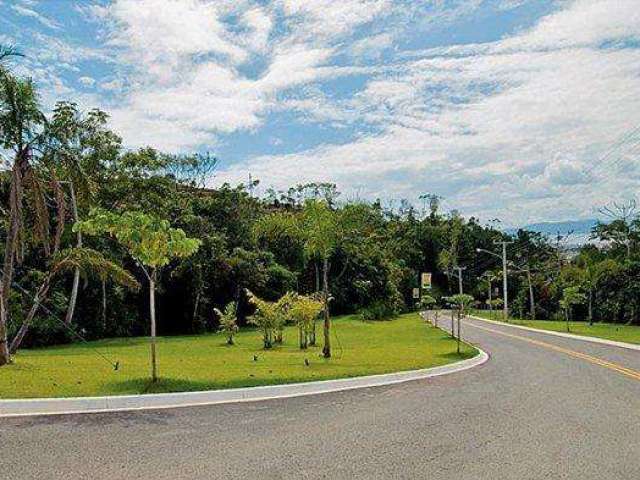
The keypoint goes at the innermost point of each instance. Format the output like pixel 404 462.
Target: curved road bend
pixel 543 407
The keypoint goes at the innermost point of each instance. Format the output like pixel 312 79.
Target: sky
pixel 521 110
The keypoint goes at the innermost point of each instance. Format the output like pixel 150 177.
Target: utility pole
pixel 460 270
pixel 505 294
pixel 250 185
pixel 489 277
pixel 532 304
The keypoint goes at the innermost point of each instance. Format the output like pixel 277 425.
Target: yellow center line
pixel 583 356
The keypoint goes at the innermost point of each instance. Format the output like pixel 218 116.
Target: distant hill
pixel 580 229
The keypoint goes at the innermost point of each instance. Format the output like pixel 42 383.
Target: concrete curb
pixel 602 341
pixel 76 405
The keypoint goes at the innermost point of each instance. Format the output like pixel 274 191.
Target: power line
pixel 115 365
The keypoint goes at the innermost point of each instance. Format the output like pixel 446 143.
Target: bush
pixel 379 310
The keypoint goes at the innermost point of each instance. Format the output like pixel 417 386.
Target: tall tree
pixel 151 242
pixel 320 230
pixel 21 129
pixel 84 260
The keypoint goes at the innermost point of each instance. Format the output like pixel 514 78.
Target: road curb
pixel 601 341
pixel 77 405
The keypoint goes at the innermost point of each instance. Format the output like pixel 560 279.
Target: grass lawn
pixel 205 362
pixel 609 331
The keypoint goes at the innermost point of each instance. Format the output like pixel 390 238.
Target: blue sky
pixel 516 109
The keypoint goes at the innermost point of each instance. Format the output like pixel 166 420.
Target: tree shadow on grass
pixel 134 386
pixel 144 385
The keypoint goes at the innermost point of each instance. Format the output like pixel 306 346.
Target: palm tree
pixel 84 260
pixel 21 128
pixel 7 51
pixel 320 230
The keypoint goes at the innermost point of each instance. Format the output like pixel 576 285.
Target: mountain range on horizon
pixel 579 228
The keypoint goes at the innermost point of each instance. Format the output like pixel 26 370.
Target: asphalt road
pixel 542 407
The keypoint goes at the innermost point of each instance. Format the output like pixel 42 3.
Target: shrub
pixel 379 310
pixel 228 324
pixel 304 311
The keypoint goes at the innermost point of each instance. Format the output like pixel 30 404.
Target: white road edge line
pixel 122 403
pixel 602 341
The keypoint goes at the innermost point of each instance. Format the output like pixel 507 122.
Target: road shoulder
pixel 76 405
pixel 584 338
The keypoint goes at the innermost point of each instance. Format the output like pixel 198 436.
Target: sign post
pixel 425 281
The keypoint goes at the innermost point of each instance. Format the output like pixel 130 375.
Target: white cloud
pixel 370 48
pixel 28 12
pixel 187 62
pixel 87 81
pixel 322 20
pixel 496 126
pixel 504 128
pixel 112 85
pixel 260 24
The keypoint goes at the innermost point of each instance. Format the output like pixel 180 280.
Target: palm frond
pixel 7 51
pixel 92 263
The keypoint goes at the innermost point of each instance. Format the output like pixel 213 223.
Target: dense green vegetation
pixel 609 331
pixel 207 362
pixel 66 167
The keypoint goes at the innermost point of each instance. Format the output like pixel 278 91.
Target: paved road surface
pixel 542 408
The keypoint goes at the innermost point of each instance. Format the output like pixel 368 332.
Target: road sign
pixel 416 293
pixel 426 281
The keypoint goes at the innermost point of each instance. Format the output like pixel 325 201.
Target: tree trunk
pixel 590 307
pixel 453 327
pixel 72 299
pixel 532 303
pixel 76 274
pixel 152 310
pixel 490 300
pixel 37 300
pixel 303 339
pixel 312 336
pixel 195 309
pixel 104 305
pixel 15 215
pixel 326 349
pixel 458 336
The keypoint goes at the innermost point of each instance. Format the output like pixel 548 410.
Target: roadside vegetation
pixel 609 331
pixel 101 241
pixel 202 362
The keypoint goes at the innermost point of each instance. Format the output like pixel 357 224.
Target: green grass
pixel 204 362
pixel 609 331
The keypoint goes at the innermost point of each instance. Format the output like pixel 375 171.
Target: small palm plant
pixel 228 323
pixel 283 314
pixel 304 312
pixel 266 318
pixel 571 296
pixel 427 302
